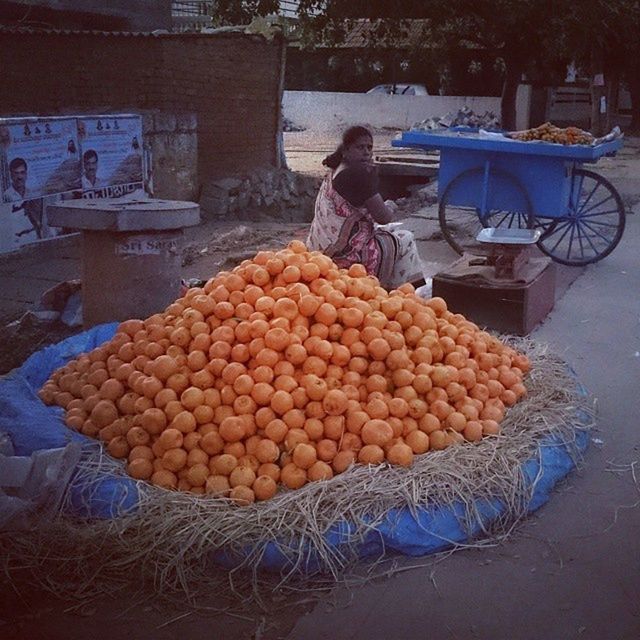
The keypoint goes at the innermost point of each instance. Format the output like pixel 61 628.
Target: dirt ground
pixel 512 590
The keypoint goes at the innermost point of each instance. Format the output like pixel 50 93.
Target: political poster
pixel 45 160
pixel 39 160
pixel 112 155
pixel 40 157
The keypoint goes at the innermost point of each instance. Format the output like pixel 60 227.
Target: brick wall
pixel 230 81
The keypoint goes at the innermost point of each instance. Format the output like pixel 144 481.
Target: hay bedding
pixel 173 543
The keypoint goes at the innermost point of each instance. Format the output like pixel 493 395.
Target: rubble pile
pixel 276 193
pixel 464 117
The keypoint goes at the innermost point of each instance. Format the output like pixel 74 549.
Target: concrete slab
pixel 123 215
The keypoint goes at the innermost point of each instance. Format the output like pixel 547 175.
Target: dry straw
pixel 168 545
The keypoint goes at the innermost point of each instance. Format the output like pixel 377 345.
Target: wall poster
pixel 45 160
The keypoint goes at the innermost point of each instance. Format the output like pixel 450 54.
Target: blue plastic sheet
pixel 33 426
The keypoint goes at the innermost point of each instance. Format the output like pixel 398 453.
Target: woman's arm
pixel 379 211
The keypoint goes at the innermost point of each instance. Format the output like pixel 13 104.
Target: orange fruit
pixel 326 314
pixel 291 273
pixel 314 428
pixel 438 305
pixel 351 317
pixel 277 339
pixel 378 348
pixel 276 430
pixel 296 354
pixel 281 402
pixel 335 402
pixel 357 270
pixel 308 271
pixel 262 393
pixel 232 429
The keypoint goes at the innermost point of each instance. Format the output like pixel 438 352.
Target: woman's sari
pixel 349 234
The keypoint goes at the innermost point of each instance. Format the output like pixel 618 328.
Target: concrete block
pixel 121 215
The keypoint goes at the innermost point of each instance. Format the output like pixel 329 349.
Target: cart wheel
pixel 460 224
pixel 593 225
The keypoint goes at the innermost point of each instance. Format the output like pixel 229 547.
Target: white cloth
pixel 11 195
pixel 86 184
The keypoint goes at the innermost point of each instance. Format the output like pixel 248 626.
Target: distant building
pixel 192 15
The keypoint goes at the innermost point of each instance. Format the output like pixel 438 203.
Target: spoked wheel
pixel 592 226
pixel 508 208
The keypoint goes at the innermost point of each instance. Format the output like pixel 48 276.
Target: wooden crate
pixel 515 309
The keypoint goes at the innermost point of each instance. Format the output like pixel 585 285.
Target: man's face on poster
pixel 19 177
pixel 91 168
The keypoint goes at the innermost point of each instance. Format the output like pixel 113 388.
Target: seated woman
pixel 347 209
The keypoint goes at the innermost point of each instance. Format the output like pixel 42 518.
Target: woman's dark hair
pixel 351 135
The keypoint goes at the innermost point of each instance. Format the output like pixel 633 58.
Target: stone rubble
pixel 264 193
pixel 465 117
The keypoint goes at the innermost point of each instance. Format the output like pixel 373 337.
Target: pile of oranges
pixel 284 371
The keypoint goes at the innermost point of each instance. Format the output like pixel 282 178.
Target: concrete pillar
pixel 131 254
pixel 523 107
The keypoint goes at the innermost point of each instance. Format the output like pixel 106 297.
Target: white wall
pixel 322 110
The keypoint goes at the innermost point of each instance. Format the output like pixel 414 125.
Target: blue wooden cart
pixel 495 181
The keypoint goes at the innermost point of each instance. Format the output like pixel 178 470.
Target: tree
pixel 605 35
pixel 523 35
pixel 238 12
pixel 519 32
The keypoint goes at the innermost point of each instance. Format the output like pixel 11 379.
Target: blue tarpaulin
pixel 32 426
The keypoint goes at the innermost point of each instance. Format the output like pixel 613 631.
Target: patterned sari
pixel 349 234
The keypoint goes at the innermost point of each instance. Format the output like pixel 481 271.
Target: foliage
pixel 537 37
pixel 237 12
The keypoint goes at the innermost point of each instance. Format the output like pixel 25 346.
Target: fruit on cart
pixel 548 132
pixel 284 371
